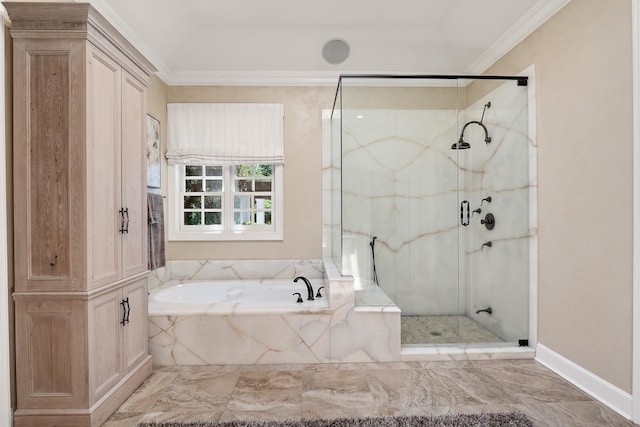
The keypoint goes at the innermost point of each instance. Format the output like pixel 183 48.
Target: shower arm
pixel 487 138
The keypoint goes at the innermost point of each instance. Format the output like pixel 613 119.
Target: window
pixel 226 202
pixel 225 171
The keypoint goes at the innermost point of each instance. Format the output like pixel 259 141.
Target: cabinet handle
pixel 124 311
pixel 128 309
pixel 126 214
pixel 121 211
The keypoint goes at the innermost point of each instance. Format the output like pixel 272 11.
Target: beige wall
pixel 302 184
pixel 584 125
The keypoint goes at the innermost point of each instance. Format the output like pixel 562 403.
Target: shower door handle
pixel 464 213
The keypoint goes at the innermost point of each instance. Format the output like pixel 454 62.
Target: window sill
pixel 225 236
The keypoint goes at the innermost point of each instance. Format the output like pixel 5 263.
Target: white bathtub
pixel 219 297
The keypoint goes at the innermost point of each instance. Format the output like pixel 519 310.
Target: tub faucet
pixel 309 287
pixel 486 310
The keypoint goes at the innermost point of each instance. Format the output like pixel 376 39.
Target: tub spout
pixel 309 287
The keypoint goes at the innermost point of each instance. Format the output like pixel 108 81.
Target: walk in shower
pixel 431 190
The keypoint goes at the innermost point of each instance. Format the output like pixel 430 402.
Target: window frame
pixel 228 231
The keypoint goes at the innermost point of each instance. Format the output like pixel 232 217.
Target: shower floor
pixel 443 330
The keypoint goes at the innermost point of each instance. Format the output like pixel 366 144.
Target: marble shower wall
pixel 400 183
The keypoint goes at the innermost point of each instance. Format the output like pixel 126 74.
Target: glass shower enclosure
pixel 431 190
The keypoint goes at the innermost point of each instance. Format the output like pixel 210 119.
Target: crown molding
pixel 534 18
pixel 131 35
pixel 251 78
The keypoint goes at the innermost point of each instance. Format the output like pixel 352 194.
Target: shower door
pixel 414 211
pixel 495 179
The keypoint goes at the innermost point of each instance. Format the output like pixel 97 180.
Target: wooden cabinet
pixel 116 103
pixel 117 336
pixel 80 227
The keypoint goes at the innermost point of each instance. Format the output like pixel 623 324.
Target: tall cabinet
pixel 80 215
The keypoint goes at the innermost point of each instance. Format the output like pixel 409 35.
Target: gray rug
pixel 510 419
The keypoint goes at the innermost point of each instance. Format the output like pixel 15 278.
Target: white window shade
pixel 225 133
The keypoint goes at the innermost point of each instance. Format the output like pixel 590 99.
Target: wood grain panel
pixel 105 313
pixel 50 359
pixel 134 175
pixel 49 228
pixel 136 338
pixel 50 337
pixel 103 136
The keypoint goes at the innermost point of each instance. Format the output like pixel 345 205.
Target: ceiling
pixel 281 41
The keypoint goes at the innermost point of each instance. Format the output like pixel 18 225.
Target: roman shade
pixel 223 134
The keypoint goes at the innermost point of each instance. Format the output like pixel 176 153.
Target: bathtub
pixel 221 297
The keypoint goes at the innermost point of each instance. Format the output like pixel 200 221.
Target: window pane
pixel 193 185
pixel 212 202
pixel 244 170
pixel 193 170
pixel 213 186
pixel 192 202
pixel 263 185
pixel 192 218
pixel 242 218
pixel 242 202
pixel 214 170
pixel 264 170
pixel 263 202
pixel 243 185
pixel 267 218
pixel 212 218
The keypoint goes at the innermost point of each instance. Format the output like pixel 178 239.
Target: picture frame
pixel 154 172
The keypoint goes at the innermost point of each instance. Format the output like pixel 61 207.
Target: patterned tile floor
pixel 224 393
pixel 443 330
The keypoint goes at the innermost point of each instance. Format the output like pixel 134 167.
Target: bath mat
pixel 507 419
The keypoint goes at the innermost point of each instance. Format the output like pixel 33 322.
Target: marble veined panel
pixel 244 269
pixel 241 339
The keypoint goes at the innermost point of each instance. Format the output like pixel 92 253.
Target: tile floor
pixel 224 393
pixel 443 330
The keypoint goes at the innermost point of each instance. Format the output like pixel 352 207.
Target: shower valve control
pixel 489 221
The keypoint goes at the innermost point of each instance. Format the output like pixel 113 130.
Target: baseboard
pixel 601 390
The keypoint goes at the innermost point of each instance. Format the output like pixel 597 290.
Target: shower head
pixel 461 145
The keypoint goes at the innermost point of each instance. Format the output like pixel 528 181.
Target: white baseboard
pixel 601 390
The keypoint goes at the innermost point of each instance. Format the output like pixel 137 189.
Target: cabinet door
pixel 50 344
pixel 134 175
pixel 106 313
pixel 103 172
pixel 136 339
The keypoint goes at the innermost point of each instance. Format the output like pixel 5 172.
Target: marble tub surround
pixel 293 391
pixel 157 278
pixel 340 332
pixel 244 269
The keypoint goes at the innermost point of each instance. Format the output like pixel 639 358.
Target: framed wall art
pixel 153 152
